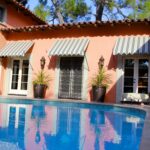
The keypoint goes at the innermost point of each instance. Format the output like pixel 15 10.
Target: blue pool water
pixel 42 125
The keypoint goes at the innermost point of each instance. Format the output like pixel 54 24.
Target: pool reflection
pixel 36 127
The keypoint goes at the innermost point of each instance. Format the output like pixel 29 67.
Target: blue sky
pixel 33 3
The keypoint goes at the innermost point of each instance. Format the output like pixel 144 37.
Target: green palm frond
pixel 102 78
pixel 42 78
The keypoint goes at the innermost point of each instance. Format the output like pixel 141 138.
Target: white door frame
pixel 136 58
pixel 18 91
pixel 85 70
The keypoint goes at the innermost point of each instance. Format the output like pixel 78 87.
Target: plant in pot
pixel 41 81
pixel 100 82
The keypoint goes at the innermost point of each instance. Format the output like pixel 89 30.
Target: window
pixel 136 75
pixel 2 14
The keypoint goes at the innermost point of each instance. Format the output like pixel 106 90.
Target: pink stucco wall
pixel 102 40
pixel 95 49
pixel 15 17
pixel 3 62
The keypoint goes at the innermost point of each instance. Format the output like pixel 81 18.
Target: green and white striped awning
pixel 69 47
pixel 15 48
pixel 132 45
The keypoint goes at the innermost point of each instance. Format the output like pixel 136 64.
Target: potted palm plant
pixel 40 84
pixel 100 83
pixel 41 81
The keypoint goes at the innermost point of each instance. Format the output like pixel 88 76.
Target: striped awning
pixel 132 45
pixel 69 47
pixel 15 48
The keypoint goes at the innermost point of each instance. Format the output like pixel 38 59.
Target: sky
pixel 33 3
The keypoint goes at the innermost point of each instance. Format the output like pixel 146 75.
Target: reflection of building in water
pixel 128 131
pixel 67 134
pixel 13 125
pixel 102 129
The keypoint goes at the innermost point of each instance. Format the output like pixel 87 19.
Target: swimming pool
pixel 56 125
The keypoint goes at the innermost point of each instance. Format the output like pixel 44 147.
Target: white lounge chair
pixel 135 98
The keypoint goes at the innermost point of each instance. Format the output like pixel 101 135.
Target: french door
pixel 19 76
pixel 136 75
pixel 70 82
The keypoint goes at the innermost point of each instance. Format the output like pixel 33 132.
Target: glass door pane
pixel 24 75
pixel 70 82
pixel 15 74
pixel 76 78
pixel 143 76
pixel 129 76
pixel 64 81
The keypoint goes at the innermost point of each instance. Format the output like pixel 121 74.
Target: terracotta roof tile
pixel 72 25
pixel 4 25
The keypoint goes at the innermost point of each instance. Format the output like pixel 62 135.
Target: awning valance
pixel 132 45
pixel 69 47
pixel 15 48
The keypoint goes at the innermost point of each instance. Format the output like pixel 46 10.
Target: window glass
pixel 2 11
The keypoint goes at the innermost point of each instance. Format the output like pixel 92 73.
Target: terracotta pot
pixel 98 93
pixel 39 90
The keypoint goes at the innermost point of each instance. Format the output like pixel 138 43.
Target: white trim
pixel 120 74
pixel 30 71
pixel 17 92
pixel 119 83
pixel 57 75
pixel 84 79
pixel 136 66
pixel 135 77
pixel 85 70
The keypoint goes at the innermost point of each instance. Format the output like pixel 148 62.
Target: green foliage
pixel 102 78
pixel 140 9
pixel 42 12
pixel 145 10
pixel 68 10
pixel 75 10
pixel 42 78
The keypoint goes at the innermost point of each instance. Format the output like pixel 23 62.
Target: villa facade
pixel 72 53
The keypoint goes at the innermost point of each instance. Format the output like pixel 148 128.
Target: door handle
pixel 134 80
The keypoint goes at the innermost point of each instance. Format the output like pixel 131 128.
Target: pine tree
pixel 42 12
pixel 64 11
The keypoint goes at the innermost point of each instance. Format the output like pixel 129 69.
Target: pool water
pixel 41 125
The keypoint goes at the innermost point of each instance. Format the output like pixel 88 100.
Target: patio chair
pixel 135 98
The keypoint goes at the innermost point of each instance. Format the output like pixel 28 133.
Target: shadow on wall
pixel 110 96
pixel 53 60
pixel 111 92
pixel 4 62
pixel 52 65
